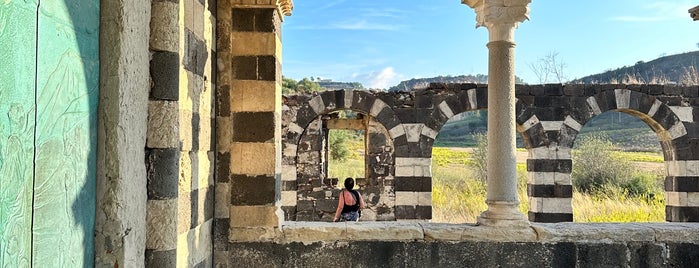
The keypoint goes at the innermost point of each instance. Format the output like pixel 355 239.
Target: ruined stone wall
pixel 549 118
pixel 307 194
pixel 179 147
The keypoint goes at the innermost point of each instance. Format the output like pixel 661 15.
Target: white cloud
pixel 364 25
pixel 385 78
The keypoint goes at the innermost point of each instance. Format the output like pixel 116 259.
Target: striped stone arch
pixel 299 154
pixel 550 160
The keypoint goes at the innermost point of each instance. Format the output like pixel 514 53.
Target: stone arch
pixel 300 197
pixel 550 162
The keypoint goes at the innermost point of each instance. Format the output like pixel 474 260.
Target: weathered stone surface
pixel 161 220
pixel 383 232
pixel 164 25
pixel 307 232
pixel 163 173
pixel 163 125
pixel 599 233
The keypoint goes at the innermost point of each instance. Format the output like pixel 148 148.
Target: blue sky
pixel 382 42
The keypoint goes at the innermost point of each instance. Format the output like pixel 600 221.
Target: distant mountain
pixel 332 85
pixel 417 83
pixel 673 69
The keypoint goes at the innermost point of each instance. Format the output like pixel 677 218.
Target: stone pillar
pixel 120 219
pixel 248 122
pixel 501 19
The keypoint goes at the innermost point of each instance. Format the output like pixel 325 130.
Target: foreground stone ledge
pixel 309 232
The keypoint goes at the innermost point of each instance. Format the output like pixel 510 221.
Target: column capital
pixel 286 6
pixel 283 6
pixel 694 12
pixel 492 12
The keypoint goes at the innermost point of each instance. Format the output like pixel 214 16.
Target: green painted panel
pixel 17 92
pixel 66 133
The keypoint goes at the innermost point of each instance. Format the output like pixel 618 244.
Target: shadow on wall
pixel 66 133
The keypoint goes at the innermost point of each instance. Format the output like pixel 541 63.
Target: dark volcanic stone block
pixel 164 70
pixel 162 166
pixel 252 190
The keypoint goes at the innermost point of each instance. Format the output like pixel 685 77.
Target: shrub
pixel 596 166
pixel 478 159
pixel 337 141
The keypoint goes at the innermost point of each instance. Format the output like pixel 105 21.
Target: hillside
pixel 679 69
pixel 415 83
pixel 332 85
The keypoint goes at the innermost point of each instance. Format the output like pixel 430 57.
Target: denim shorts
pixel 350 216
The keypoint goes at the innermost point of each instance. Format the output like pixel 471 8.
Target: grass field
pixel 459 198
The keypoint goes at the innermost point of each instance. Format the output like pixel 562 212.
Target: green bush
pixel 595 166
pixel 478 159
pixel 337 142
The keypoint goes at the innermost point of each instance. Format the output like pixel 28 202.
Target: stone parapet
pixel 362 244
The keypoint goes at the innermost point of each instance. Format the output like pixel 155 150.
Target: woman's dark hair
pixel 349 183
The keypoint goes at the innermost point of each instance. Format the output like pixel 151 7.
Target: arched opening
pixel 459 160
pixel 335 145
pixel 618 170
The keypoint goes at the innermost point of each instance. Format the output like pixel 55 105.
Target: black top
pixel 347 208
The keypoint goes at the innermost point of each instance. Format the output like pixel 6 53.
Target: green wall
pixel 48 132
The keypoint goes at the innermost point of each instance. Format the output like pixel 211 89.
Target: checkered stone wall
pixel 179 148
pixel 549 118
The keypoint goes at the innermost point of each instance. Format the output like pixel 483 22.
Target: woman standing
pixel 350 203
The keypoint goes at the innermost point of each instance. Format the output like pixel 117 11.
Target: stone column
pixel 501 19
pixel 248 122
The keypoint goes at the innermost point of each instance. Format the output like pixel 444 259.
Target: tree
pixel 549 68
pixel 306 85
pixel 337 142
pixel 288 85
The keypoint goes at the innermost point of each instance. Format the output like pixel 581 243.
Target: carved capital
pixel 694 13
pixel 286 6
pixel 492 12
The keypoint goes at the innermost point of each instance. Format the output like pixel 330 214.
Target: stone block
pixel 220 234
pixel 413 184
pixel 563 191
pixel 550 165
pixel 309 232
pixel 195 53
pixel 162 167
pixel 405 212
pixel 254 217
pixel 160 258
pixel 223 171
pixel 384 232
pixel 161 224
pixel 163 125
pixel 597 232
pixel 252 190
pixel 362 101
pixel 253 234
pixel 223 101
pixel 244 67
pixel 253 158
pixel 326 205
pixel 223 200
pixel 289 185
pixel 164 71
pixel 388 121
pixel 550 217
pixel 164 26
pixel 602 255
pixel 253 126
